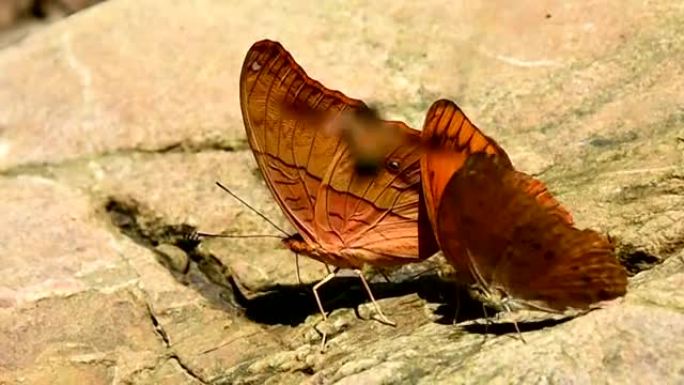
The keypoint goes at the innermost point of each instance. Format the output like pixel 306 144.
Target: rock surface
pixel 115 123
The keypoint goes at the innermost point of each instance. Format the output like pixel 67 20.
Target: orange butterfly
pixel 521 252
pixel 450 138
pixel 344 217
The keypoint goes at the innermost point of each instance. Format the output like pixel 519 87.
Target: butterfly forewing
pixel 283 110
pixel 450 138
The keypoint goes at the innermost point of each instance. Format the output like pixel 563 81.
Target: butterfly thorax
pixel 298 245
pixel 493 297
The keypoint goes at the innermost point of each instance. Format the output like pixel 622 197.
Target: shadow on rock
pixel 509 328
pixel 292 304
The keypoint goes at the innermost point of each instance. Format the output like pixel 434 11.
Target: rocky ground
pixel 116 122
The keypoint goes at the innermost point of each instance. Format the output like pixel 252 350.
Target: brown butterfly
pixel 450 139
pixel 521 252
pixel 344 217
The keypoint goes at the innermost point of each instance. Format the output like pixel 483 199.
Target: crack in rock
pixel 187 369
pixel 171 354
pixel 185 146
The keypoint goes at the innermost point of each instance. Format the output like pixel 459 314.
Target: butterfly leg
pixel 326 279
pixel 299 278
pixel 488 321
pixel 457 310
pixel 515 324
pixel 382 316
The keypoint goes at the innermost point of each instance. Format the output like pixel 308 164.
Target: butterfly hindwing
pixel 523 244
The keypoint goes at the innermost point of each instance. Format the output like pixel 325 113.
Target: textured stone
pixel 116 122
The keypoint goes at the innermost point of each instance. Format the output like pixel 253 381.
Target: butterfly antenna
pixel 478 277
pixel 483 286
pixel 257 212
pixel 421 273
pixel 196 235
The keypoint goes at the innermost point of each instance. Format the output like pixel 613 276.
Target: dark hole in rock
pixel 123 215
pixel 206 274
pixel 636 261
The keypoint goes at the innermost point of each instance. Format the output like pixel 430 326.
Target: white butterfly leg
pixel 299 278
pixel 381 315
pixel 317 286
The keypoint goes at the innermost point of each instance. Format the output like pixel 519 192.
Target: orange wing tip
pixel 266 44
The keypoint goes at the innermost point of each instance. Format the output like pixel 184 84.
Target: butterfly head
pixel 492 296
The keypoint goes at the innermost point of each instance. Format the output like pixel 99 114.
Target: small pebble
pixel 173 257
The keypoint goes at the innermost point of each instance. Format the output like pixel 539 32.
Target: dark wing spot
pixel 548 255
pixel 468 220
pixel 366 167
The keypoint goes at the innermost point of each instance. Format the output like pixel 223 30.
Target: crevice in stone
pixel 164 336
pixel 197 147
pixel 187 369
pixel 146 229
pixel 308 370
pixel 188 147
pixel 203 272
pixel 635 260
pixel 157 326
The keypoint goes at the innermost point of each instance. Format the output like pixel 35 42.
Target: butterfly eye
pixel 502 294
pixel 393 165
pixel 478 292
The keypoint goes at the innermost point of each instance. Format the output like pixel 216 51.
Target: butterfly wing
pixel 522 244
pixel 473 219
pixel 284 112
pixel 557 266
pixel 372 217
pixel 450 138
pixel 298 132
